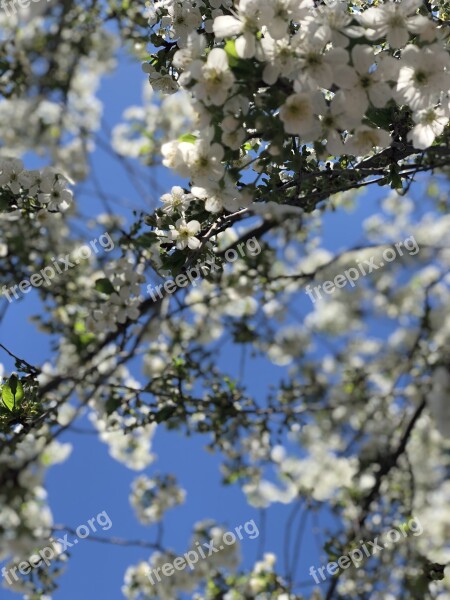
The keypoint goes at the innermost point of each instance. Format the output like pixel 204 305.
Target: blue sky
pixel 91 482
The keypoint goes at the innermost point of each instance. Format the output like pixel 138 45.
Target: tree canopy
pixel 305 230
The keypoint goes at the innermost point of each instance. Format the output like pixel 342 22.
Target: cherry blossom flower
pixel 393 21
pixel 279 58
pixel 185 17
pixel 173 158
pixel 160 82
pixel 337 119
pixel 151 498
pixel 30 181
pixel 217 198
pixel 11 169
pixel 203 160
pixel 233 134
pixel 245 25
pixel 299 112
pixel 55 194
pixel 277 14
pixel 177 201
pixel 193 50
pixel 363 83
pixel 430 122
pixel 365 139
pixel 184 234
pixel 214 78
pixel 330 23
pixel 423 76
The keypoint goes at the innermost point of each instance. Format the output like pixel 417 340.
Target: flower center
pixel 281 13
pixel 420 77
pixel 298 110
pixel 429 117
pixel 397 21
pixel 184 233
pixel 215 76
pixel 365 81
pixel 313 59
pixel 203 162
pixel 328 121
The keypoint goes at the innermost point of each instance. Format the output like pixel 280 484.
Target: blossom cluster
pixel 272 99
pixel 146 128
pixel 267 79
pixel 46 187
pixel 139 585
pixel 151 498
pixel 121 300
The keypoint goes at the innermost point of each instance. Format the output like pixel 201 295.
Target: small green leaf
pixel 230 49
pixel 104 286
pixel 233 56
pixel 230 383
pixel 188 137
pixel 12 393
pixel 112 404
pixel 84 337
pixel 146 240
pixel 165 413
pixel 7 397
pixel 382 117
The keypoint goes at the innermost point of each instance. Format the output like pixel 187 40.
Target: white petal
pixel 246 46
pixel 422 136
pixel 358 102
pixel 213 204
pixel 194 243
pixel 398 37
pixel 345 77
pixel 380 94
pixel 227 26
pixel 363 58
pixel 370 17
pixel 194 227
pixel 218 58
pixel 270 74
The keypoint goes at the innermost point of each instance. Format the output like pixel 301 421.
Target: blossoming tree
pixel 275 116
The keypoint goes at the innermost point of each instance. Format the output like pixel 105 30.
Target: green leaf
pixel 188 137
pixel 146 240
pixel 165 413
pixel 394 179
pixel 12 393
pixel 382 117
pixel 233 56
pixel 7 397
pixel 84 337
pixel 111 405
pixel 151 220
pixel 104 286
pixel 174 262
pixel 230 383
